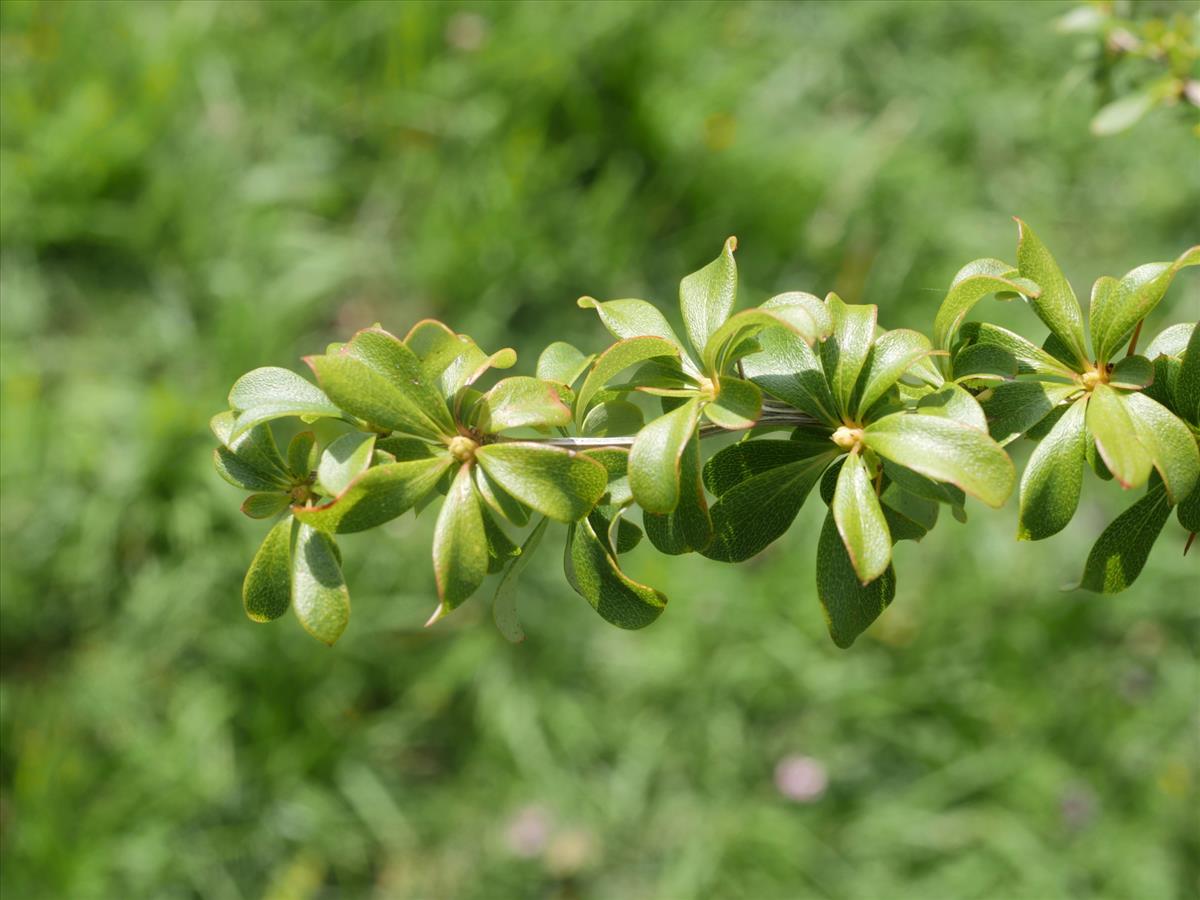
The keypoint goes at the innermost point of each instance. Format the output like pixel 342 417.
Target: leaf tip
pixel 731 243
pixel 438 614
pixel 586 302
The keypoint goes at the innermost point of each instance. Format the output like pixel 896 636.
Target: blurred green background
pixel 188 191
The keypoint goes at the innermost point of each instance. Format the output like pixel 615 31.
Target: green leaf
pixel 850 607
pixel 803 315
pixel 1053 478
pixel 953 401
pixel 612 418
pixel 594 574
pixel 1122 113
pixel 945 450
pixel 378 379
pixel 1187 384
pixel 616 359
pixel 616 465
pixel 1056 305
pixel 1012 408
pixel 460 555
pixel 1110 423
pixel 632 318
pixel 251 460
pixel 1121 551
pixel 320 598
pixel 655 455
pixel 563 363
pixel 706 297
pixel 984 362
pixel 686 528
pixel 344 459
pixel 740 462
pixel 860 520
pixel 558 483
pixel 499 545
pixel 504 604
pixel 753 512
pixel 844 354
pixel 1169 442
pixel 972 283
pixel 892 354
pixel 1031 359
pixel 404 449
pixel 922 487
pixel 450 361
pixel 913 508
pixel 272 393
pixel 1132 373
pixel 1171 341
pixel 265 506
pixel 378 495
pixel 1189 511
pixel 267 590
pixel 737 406
pixel 789 370
pixel 1118 307
pixel 499 500
pixel 301 458
pixel 520 402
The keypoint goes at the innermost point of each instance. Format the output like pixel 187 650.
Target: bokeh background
pixel 191 190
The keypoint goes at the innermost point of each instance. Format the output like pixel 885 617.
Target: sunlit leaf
pixel 593 572
pixel 860 520
pixel 1109 422
pixel 378 495
pixel 562 362
pixel 320 598
pixel 1169 442
pixel 687 527
pixel 520 402
pixel 844 354
pixel 1053 477
pixel 1120 553
pixel 737 406
pixel 654 458
pixel 460 555
pixel 1056 304
pixel 616 359
pixel 344 459
pixel 558 483
pixel 273 393
pixel 706 297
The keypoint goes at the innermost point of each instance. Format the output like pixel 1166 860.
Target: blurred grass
pixel 188 191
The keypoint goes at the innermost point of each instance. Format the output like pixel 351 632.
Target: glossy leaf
pixel 850 607
pixel 789 370
pixel 655 455
pixel 1031 359
pixel 892 354
pixel 1171 341
pixel 344 459
pixel 1120 553
pixel 447 359
pixel 737 406
pixel 460 555
pixel 613 417
pixel 1109 422
pixel 1052 480
pixel 320 598
pixel 1115 312
pixel 632 318
pixel 984 362
pixel 706 297
pixel 267 590
pixel 1170 443
pixel 1056 304
pixel 616 359
pixel 378 495
pixel 973 282
pixel 945 450
pixel 593 572
pixel 301 454
pixel 953 401
pixel 1187 384
pixel 563 363
pixel 498 499
pixel 504 604
pixel 521 402
pixel 803 315
pixel 860 520
pixel 273 393
pixel 687 527
pixel 845 353
pixel 1012 408
pixel 558 483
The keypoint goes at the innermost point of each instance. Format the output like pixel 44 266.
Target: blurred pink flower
pixel 528 832
pixel 801 778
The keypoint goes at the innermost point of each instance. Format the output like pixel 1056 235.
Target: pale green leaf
pixel 520 402
pixel 378 495
pixel 273 393
pixel 860 520
pixel 612 418
pixel 1109 422
pixel 1056 304
pixel 845 353
pixel 737 406
pixel 616 359
pixel 654 458
pixel 320 598
pixel 460 554
pixel 1169 442
pixel 344 459
pixel 687 527
pixel 892 354
pixel 265 506
pixel 563 363
pixel 706 297
pixel 558 483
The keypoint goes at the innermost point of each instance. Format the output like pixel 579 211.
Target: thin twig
pixel 1137 332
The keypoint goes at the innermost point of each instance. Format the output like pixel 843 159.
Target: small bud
pixel 462 448
pixel 847 438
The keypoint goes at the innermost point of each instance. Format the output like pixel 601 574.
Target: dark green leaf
pixel 613 418
pixel 264 506
pixel 1132 373
pixel 739 462
pixel 460 551
pixel 594 574
pixel 1031 359
pixel 788 369
pixel 1012 408
pixel 1169 442
pixel 1187 383
pixel 301 455
pixel 850 607
pixel 499 500
pixel 499 545
pixel 1121 551
pixel 984 362
pixel 844 354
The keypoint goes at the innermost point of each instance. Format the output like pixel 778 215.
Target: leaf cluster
pixel 886 426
